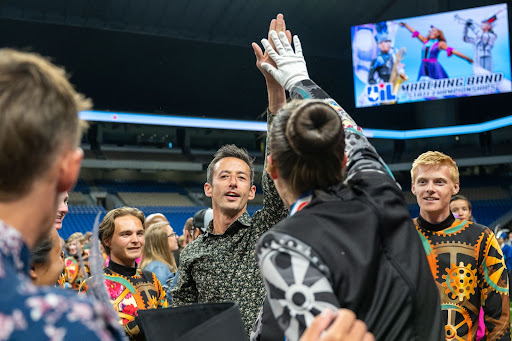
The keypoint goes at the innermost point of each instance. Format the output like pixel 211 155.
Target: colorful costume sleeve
pixel 494 289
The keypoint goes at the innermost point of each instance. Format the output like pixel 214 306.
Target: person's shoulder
pixel 154 265
pixel 53 310
pixel 144 273
pixel 479 227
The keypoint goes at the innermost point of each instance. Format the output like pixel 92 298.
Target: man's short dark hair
pixel 230 150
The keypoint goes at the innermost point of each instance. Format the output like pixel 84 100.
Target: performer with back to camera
pixel 370 259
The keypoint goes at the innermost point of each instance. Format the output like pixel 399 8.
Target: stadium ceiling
pixel 194 58
pixel 226 21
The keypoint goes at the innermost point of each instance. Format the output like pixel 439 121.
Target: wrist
pixel 290 83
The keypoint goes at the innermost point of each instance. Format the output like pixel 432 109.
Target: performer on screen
pixel 483 38
pixel 382 65
pixel 433 43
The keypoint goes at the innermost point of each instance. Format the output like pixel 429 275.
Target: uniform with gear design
pixel 131 289
pixel 470 272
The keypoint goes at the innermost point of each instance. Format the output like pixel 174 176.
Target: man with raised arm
pixel 220 264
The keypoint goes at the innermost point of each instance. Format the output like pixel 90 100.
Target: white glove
pixel 291 66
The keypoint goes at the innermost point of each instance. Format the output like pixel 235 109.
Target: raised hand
pixel 276 94
pixel 290 65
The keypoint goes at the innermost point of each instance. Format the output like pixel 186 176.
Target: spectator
pixel 363 220
pixel 154 218
pixel 200 222
pixel 39 134
pixel 62 210
pixel 461 208
pixel 188 232
pixel 77 263
pixel 87 242
pixel 121 233
pixel 157 255
pixel 47 264
pixel 465 258
pixel 507 252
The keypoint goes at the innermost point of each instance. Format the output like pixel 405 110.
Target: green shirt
pixel 223 267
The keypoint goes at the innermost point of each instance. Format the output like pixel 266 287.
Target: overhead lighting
pixel 195 122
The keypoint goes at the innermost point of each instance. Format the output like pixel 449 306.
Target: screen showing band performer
pixel 444 55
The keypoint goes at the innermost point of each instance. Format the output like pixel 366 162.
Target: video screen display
pixel 444 55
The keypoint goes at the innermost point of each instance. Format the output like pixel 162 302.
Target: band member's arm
pixel 465 32
pixel 291 72
pixel 415 34
pixel 494 287
pixel 274 210
pixel 450 51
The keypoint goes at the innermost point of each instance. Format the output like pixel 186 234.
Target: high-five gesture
pixel 276 94
pixel 291 66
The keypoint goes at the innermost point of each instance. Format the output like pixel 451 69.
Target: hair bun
pixel 313 129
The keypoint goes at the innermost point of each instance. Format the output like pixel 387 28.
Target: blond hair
pixel 156 246
pixel 107 226
pixel 38 116
pixel 435 158
pixel 76 237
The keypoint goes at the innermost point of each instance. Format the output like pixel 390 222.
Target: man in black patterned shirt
pixel 220 264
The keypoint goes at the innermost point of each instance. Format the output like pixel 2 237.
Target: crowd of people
pixel 374 273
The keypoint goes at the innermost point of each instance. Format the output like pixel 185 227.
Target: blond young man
pixel 464 257
pixel 40 160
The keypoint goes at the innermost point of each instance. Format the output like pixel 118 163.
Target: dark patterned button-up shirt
pixel 28 312
pixel 222 267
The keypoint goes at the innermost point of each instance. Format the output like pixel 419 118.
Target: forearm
pixel 276 95
pixel 274 208
pixel 412 30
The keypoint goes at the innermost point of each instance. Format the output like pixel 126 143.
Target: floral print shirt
pixel 222 267
pixel 28 312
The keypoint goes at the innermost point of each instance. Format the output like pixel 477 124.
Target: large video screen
pixel 445 55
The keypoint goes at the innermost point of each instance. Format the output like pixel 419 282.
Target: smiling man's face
pixel 127 241
pixel 433 187
pixel 231 186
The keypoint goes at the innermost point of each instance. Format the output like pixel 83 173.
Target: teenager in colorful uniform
pixel 465 258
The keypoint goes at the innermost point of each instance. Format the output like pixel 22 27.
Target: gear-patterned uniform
pixel 469 269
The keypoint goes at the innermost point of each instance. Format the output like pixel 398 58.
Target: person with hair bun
pixel 349 241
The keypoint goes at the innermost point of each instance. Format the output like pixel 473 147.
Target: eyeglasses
pixel 172 235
